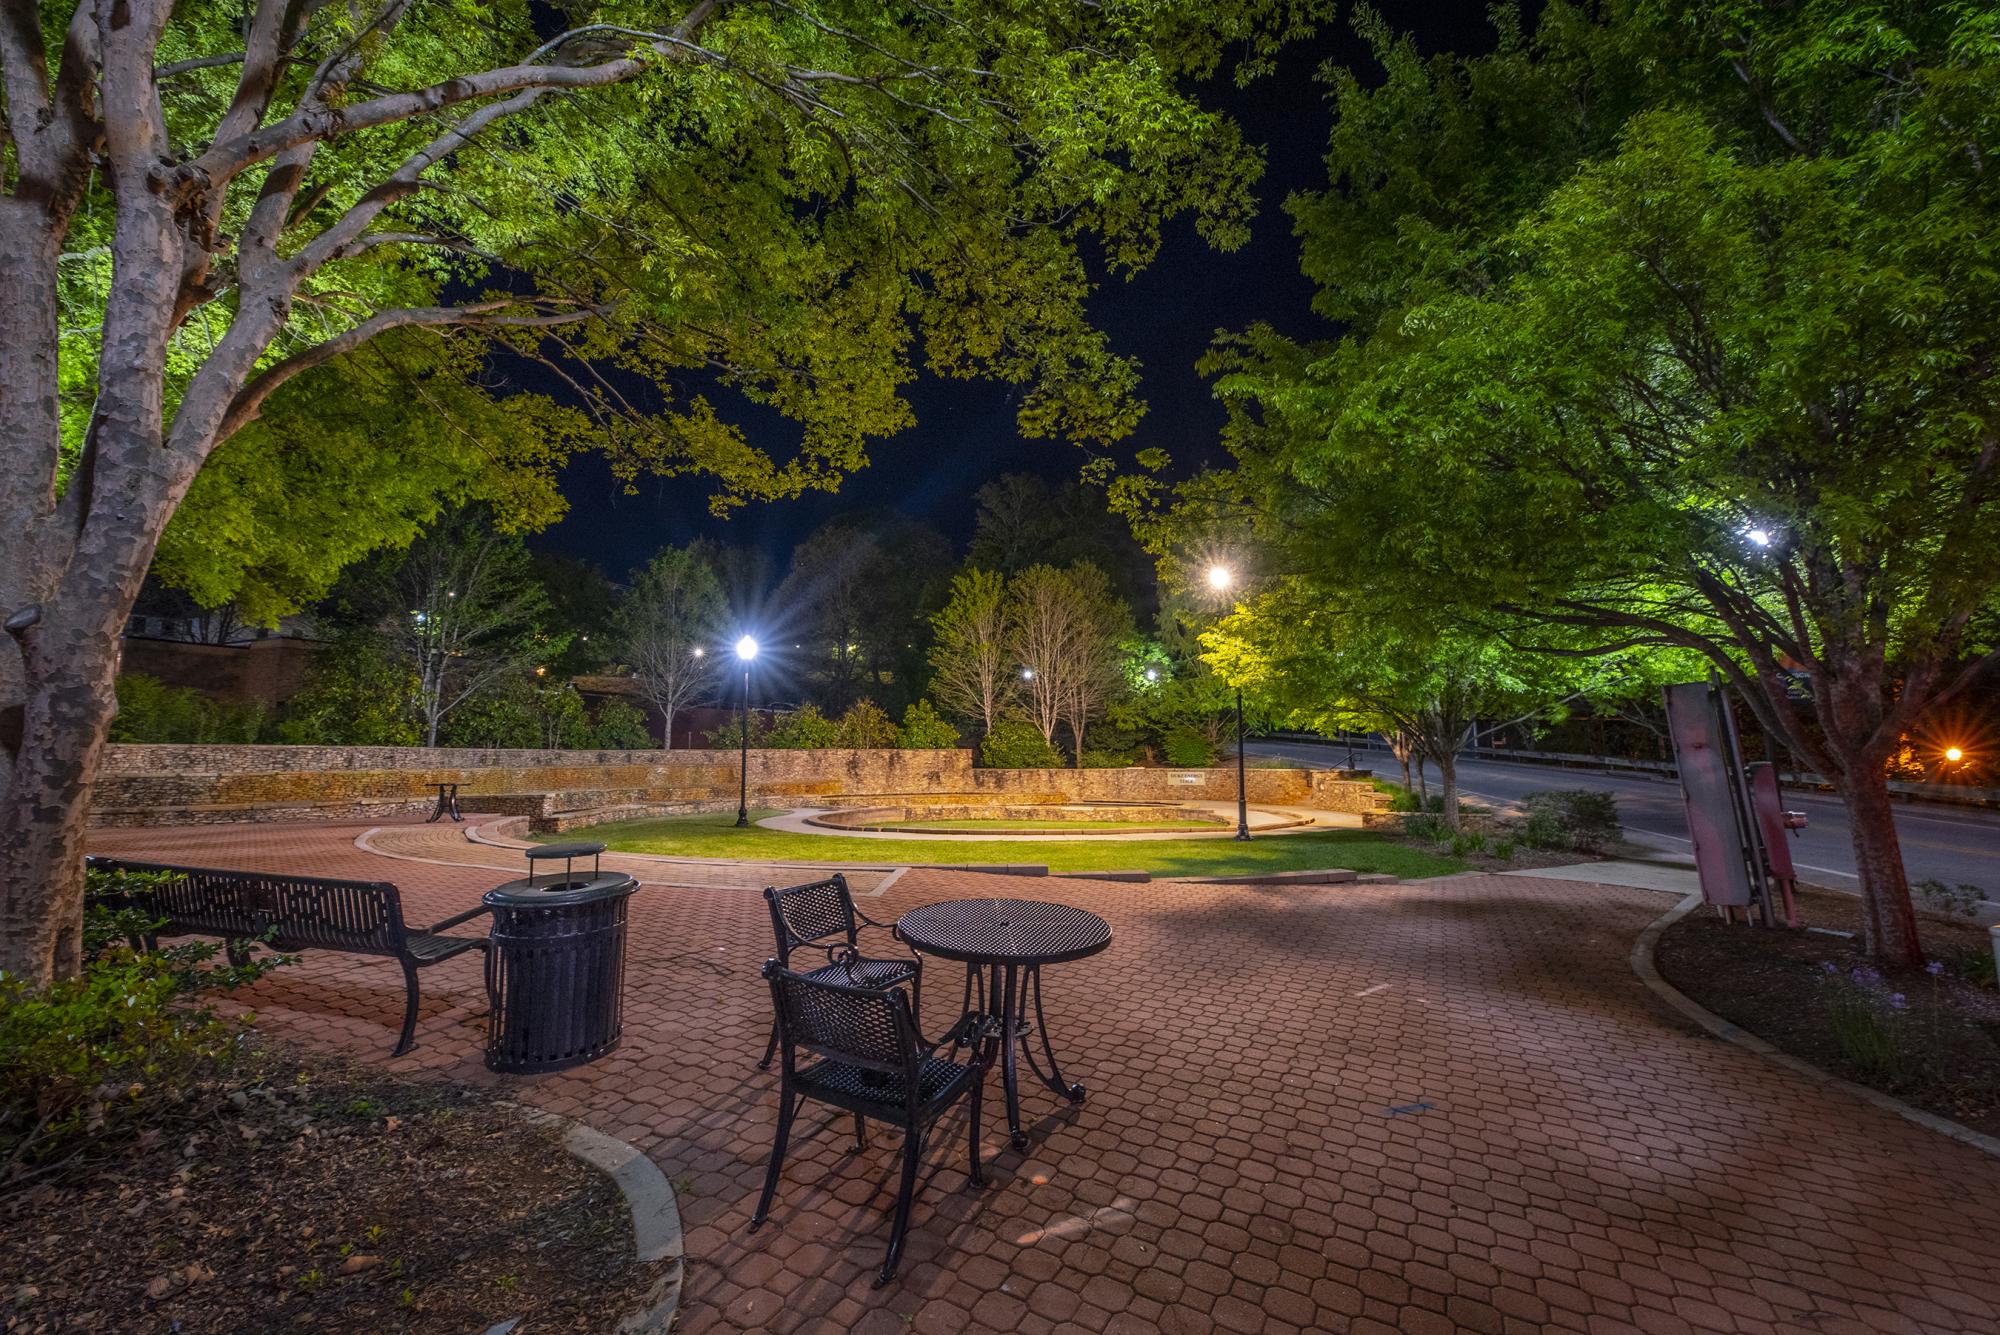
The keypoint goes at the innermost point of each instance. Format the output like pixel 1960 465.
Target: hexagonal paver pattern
pixel 1431 1107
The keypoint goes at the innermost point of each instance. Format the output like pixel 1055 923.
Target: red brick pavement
pixel 1585 1162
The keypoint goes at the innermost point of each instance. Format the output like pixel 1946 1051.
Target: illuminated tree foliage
pixel 1668 326
pixel 210 213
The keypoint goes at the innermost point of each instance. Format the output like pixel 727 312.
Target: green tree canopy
pixel 1668 327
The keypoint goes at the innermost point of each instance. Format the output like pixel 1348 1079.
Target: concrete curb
pixel 656 1215
pixel 1644 965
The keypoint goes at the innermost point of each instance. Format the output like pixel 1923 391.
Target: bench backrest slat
pixel 301 912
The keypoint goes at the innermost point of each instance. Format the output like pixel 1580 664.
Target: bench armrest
pixel 456 919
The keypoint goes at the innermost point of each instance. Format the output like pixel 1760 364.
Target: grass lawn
pixel 976 826
pixel 716 836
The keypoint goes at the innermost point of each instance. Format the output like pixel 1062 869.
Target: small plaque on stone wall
pixel 1190 778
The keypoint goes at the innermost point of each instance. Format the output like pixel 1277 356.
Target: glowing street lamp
pixel 1220 577
pixel 746 651
pixel 1953 754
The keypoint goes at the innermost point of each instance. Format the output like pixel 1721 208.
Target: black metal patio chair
pixel 859 1048
pixel 822 914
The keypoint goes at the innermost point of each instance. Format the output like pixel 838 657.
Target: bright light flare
pixel 746 648
pixel 1220 577
pixel 1760 537
pixel 1953 754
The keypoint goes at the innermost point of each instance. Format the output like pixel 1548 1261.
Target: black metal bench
pixel 295 913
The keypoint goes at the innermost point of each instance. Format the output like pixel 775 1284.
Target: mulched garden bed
pixel 1938 1047
pixel 313 1196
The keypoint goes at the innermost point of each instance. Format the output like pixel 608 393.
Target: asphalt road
pixel 1957 845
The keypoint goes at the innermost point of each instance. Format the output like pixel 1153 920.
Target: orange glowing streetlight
pixel 1953 754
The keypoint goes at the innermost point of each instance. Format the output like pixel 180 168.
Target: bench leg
pixel 770 1049
pixel 404 1044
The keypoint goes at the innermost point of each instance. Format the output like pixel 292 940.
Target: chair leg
pixel 913 1152
pixel 787 1105
pixel 770 1049
pixel 405 1043
pixel 978 1096
pixel 860 1132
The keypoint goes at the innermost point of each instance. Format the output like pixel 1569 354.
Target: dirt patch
pixel 1932 1039
pixel 303 1196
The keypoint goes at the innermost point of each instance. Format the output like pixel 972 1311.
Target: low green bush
pixel 866 726
pixel 1099 759
pixel 1569 818
pixel 149 710
pixel 1017 744
pixel 98 1056
pixel 924 729
pixel 1426 825
pixel 804 729
pixel 1187 749
pixel 620 726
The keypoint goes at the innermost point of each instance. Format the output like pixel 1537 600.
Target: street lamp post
pixel 746 649
pixel 1220 578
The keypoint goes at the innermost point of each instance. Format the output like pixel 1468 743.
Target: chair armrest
pixel 456 919
pixel 870 922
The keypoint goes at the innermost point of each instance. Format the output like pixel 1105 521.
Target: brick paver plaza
pixel 1446 1105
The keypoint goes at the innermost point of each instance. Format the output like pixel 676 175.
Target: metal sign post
pixel 1735 814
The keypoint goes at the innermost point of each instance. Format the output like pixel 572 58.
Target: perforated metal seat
pixel 822 914
pixel 935 1079
pixel 294 913
pixel 863 1053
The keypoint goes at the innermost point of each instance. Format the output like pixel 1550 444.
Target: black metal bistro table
pixel 1004 943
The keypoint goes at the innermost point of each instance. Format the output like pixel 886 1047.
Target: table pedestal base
pixel 1004 992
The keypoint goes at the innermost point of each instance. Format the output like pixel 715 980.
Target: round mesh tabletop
pixel 1011 931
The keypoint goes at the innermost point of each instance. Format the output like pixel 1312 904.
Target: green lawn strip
pixel 715 836
pixel 1050 826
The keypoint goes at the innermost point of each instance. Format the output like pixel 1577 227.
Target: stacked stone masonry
pixel 188 785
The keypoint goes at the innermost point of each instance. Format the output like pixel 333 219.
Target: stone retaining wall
pixel 179 785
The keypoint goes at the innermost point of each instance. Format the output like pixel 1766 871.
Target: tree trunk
pixel 667 732
pixel 1888 920
pixel 1447 764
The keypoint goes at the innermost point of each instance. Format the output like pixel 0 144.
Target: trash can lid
pixel 579 848
pixel 560 891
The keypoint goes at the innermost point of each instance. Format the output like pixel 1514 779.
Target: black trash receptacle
pixel 556 973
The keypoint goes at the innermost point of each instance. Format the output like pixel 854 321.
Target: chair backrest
pixel 816 912
pixel 868 1027
pixel 300 912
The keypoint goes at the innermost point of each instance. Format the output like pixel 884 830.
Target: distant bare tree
pixel 1063 627
pixel 671 618
pixel 469 615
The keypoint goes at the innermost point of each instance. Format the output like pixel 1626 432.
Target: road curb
pixel 656 1215
pixel 1646 967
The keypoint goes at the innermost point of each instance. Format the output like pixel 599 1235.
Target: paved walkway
pixel 1427 1107
pixel 1266 819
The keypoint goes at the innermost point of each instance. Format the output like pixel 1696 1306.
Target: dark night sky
pixel 965 431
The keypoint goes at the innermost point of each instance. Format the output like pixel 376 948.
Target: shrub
pixel 149 710
pixel 1426 825
pixel 730 735
pixel 354 696
pixel 1463 844
pixel 924 729
pixel 804 729
pixel 1017 744
pixel 620 726
pixel 1096 759
pixel 1187 749
pixel 1872 1024
pixel 1953 901
pixel 94 1057
pixel 1503 849
pixel 1569 818
pixel 866 725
